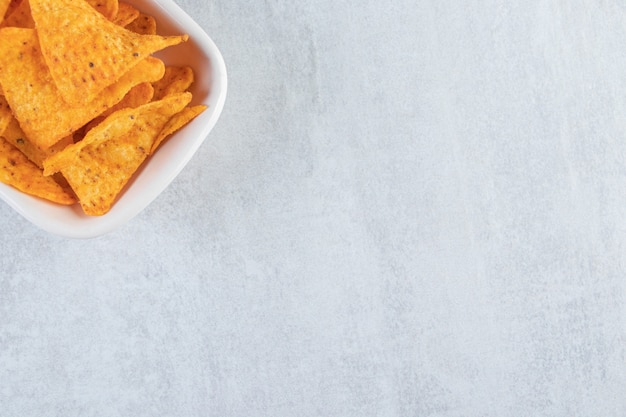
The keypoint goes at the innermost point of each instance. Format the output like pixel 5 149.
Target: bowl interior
pixel 160 169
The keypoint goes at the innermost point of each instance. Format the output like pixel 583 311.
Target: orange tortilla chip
pixel 12 6
pixel 107 8
pixel 34 99
pixel 98 167
pixel 84 51
pixel 20 17
pixel 138 95
pixel 16 137
pixel 4 5
pixel 17 171
pixel 116 125
pixel 144 25
pixel 176 123
pixel 5 114
pixel 175 80
pixel 126 14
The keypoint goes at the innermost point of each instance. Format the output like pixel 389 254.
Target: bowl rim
pixel 70 221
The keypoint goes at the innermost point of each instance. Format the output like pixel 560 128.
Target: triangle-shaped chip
pixel 20 173
pixel 98 167
pixel 86 52
pixel 35 101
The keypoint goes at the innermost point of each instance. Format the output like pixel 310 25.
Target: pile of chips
pixel 83 101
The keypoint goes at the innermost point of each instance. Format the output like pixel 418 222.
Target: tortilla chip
pixel 114 126
pixel 4 5
pixel 16 137
pixel 86 52
pixel 98 167
pixel 175 80
pixel 176 123
pixel 126 14
pixel 107 8
pixel 5 114
pixel 34 99
pixel 17 171
pixel 20 17
pixel 138 95
pixel 12 6
pixel 144 25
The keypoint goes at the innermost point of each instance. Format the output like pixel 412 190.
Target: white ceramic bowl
pixel 161 168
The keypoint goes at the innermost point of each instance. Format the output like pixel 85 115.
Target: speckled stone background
pixel 408 208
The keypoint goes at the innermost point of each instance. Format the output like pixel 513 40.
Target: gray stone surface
pixel 406 209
